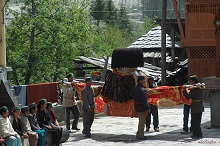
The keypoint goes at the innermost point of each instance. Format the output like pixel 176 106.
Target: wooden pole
pixel 179 22
pixel 2 36
pixel 163 42
pixel 105 69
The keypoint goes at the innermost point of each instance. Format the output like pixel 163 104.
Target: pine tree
pixel 97 10
pixel 111 15
pixel 124 23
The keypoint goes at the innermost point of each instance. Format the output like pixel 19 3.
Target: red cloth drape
pixel 35 92
pixel 161 96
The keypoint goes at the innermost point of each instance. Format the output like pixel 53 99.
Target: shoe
pixel 184 132
pixel 83 132
pixel 88 136
pixel 75 129
pixel 196 136
pixel 156 129
pixel 147 129
pixel 142 138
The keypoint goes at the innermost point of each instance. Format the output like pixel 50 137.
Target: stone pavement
pixel 113 131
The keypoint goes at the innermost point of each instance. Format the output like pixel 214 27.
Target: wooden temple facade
pixel 200 39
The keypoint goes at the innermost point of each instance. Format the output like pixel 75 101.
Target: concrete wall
pixel 215 107
pixel 60 111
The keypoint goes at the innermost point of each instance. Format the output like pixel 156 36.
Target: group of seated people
pixel 29 125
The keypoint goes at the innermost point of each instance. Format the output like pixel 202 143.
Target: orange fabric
pixel 125 109
pixel 167 96
pixel 35 92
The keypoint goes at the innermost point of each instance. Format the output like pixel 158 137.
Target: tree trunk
pixel 31 57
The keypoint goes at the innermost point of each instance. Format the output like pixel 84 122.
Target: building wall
pixel 200 38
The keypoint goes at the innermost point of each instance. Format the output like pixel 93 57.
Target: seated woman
pixel 33 136
pixel 44 121
pixel 18 126
pixel 34 124
pixel 10 137
pixel 52 114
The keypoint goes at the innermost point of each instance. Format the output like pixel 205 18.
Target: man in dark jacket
pixel 195 93
pixel 141 106
pixel 88 106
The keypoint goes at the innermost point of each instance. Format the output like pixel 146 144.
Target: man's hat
pixel 88 79
pixel 69 75
pixel 32 105
pixel 3 109
pixel 42 101
pixel 49 104
pixel 16 108
pixel 24 109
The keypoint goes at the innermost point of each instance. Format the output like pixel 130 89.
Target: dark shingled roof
pixel 152 40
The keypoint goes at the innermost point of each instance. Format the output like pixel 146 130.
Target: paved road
pixel 113 131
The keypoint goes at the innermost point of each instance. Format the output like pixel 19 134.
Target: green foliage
pixel 111 15
pixel 97 10
pixel 106 39
pixel 148 24
pixel 45 36
pixel 44 39
pixel 106 11
pixel 124 23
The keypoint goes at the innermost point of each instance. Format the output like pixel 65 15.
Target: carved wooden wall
pixel 199 36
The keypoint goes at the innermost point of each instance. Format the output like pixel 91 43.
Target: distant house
pixel 151 46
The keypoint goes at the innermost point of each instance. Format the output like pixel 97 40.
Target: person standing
pixel 141 105
pixel 69 102
pixel 88 106
pixel 153 110
pixel 7 132
pixel 195 94
pixel 186 112
pixel 34 124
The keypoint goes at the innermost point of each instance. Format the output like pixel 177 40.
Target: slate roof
pixel 152 40
pixel 148 69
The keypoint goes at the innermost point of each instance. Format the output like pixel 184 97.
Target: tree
pixel 148 24
pixel 106 39
pixel 44 37
pixel 97 10
pixel 124 23
pixel 111 15
pixel 151 8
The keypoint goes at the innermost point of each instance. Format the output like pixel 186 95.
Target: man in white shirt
pixel 69 102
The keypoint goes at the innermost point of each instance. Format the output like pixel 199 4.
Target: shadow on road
pixel 208 132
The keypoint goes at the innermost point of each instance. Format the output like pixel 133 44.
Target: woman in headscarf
pixel 44 121
pixel 9 135
pixel 34 124
pixel 18 126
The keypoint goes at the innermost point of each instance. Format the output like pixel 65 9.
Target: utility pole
pixel 2 36
pixel 163 42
